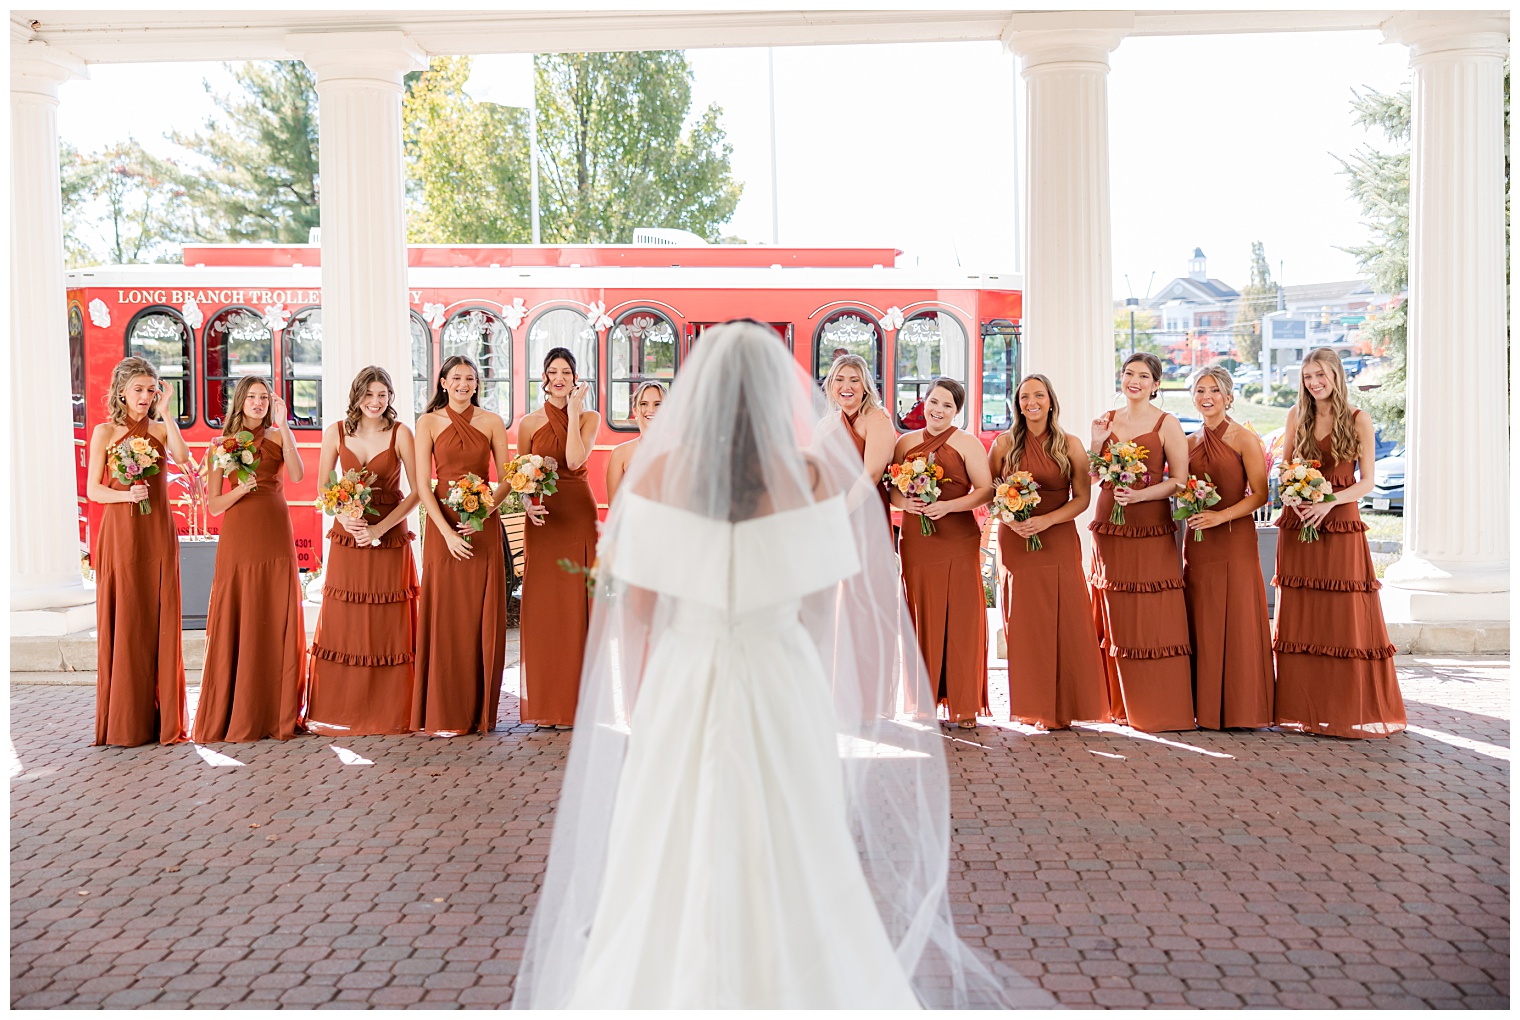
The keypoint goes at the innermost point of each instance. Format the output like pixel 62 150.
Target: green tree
pixel 467 162
pixel 76 177
pixel 1257 299
pixel 261 182
pixel 615 154
pixel 1146 322
pixel 143 210
pixel 1379 180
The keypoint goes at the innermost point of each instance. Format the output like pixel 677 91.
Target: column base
pixel 54 622
pixel 1425 622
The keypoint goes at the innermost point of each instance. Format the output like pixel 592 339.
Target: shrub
pixel 1250 391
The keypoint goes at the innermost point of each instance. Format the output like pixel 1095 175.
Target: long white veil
pixel 745 433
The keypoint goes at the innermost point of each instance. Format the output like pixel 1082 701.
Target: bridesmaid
pixel 1055 672
pixel 646 401
pixel 1136 575
pixel 942 572
pixel 255 633
pixel 1226 599
pixel 556 609
pixel 851 390
pixel 1335 673
pixel 140 683
pixel 360 667
pixel 462 637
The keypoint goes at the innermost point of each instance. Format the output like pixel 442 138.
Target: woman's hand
pixel 244 488
pixel 934 511
pixel 577 398
pixel 466 531
pixel 458 547
pixel 362 535
pixel 1124 495
pixel 352 525
pixel 1315 513
pixel 1205 519
pixel 279 414
pixel 137 493
pixel 1029 528
pixel 915 506
pixel 535 510
pixel 1102 425
pixel 161 402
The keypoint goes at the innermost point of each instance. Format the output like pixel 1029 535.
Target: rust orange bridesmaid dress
pixel 462 630
pixel 1138 607
pixel 1055 671
pixel 1335 674
pixel 255 633
pixel 1227 602
pixel 140 683
pixel 556 608
pixel 360 666
pixel 859 440
pixel 943 581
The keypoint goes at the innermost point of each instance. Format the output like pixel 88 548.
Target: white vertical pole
pixel 770 62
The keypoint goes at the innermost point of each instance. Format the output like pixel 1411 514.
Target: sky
pixel 1215 141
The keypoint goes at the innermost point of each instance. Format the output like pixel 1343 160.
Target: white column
pixel 1456 506
pixel 1068 280
pixel 364 301
pixel 44 520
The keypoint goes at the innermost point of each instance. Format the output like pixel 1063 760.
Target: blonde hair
pixel 1055 439
pixel 234 422
pixel 1344 444
pixel 1220 375
pixel 125 371
pixel 649 384
pixel 870 400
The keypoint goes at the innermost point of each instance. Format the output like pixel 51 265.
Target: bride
pixel 748 818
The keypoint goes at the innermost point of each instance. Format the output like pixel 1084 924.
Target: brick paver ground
pixel 1203 869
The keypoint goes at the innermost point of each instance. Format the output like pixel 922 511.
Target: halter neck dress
pixel 1335 674
pixel 255 631
pixel 360 672
pixel 1227 600
pixel 1055 671
pixel 859 440
pixel 556 606
pixel 1138 606
pixel 942 578
pixel 140 678
pixel 462 627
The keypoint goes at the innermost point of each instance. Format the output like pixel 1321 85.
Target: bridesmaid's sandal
pixel 967 724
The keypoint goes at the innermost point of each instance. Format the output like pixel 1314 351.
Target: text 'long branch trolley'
pixel 629 313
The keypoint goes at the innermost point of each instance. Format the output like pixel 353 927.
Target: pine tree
pixel 1257 299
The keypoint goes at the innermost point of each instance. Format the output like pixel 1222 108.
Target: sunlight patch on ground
pixel 1125 731
pixel 859 747
pixel 12 759
pixel 348 757
pixel 1482 747
pixel 215 758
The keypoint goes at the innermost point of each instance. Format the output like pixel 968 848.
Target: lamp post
pixel 1132 304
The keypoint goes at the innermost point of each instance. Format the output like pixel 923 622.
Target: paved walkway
pixel 1115 869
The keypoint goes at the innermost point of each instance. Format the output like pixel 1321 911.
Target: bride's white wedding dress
pixel 732 879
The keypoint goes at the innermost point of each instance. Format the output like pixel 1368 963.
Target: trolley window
pixel 301 359
pixel 1000 373
pixel 562 327
pixel 641 348
pixel 694 331
pixel 930 344
pixel 480 335
pixel 76 361
pixel 423 384
pixel 848 331
pixel 159 335
pixel 238 342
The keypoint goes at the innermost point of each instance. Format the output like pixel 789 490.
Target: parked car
pixel 1387 483
pixel 1353 366
pixel 1190 422
pixel 1247 375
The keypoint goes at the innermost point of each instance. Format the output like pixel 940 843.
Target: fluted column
pixel 364 303
pixel 1455 564
pixel 1068 283
pixel 44 520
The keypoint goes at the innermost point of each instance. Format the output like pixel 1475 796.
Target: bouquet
pixel 1197 495
pixel 131 461
pixel 348 494
pixel 917 477
pixel 531 477
pixel 1015 500
pixel 569 566
pixel 236 455
pixel 470 498
pixel 1121 465
pixel 1300 483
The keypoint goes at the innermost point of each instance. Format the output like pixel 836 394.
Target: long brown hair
pixel 1344 444
pixel 1055 439
pixel 359 389
pixel 125 371
pixel 234 422
pixel 441 395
